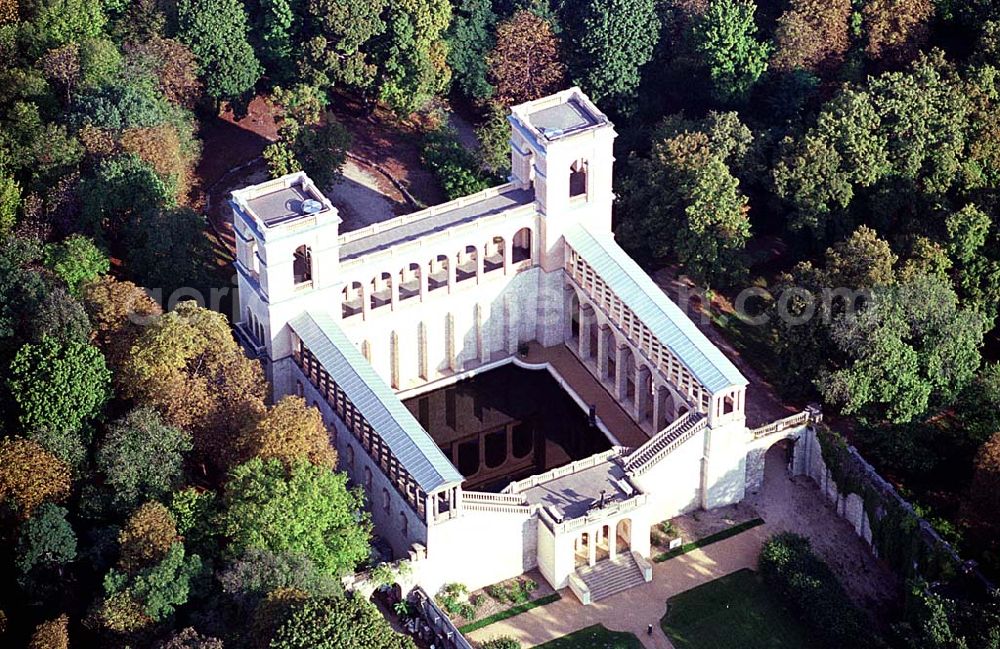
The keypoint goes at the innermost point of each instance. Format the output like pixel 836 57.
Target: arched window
pixel 522 245
pixel 404 524
pixel 302 265
pixel 352 299
pixel 409 281
pixel 299 389
pixel 385 500
pixel 349 452
pixel 493 259
pixel 437 277
pixel 368 480
pixel 578 178
pixel 381 290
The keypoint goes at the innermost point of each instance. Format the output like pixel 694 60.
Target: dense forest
pixel 839 159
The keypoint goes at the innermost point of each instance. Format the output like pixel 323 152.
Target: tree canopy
pixel 306 509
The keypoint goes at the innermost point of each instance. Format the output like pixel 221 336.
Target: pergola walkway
pixel 634 609
pixel 621 425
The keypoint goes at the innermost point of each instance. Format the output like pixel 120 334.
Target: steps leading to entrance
pixel 605 578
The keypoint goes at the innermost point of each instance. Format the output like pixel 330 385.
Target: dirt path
pixel 795 504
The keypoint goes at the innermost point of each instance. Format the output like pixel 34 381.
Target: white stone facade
pixel 435 295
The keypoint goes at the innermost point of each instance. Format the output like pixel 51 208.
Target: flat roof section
pixel 563 118
pixel 281 205
pixel 435 223
pixel 575 494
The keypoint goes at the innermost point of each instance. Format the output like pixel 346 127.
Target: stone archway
pixel 623 536
pixel 770 463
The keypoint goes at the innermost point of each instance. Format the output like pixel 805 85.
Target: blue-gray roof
pixel 376 401
pixel 668 323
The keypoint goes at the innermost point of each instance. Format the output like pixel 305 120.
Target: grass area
pixel 510 612
pixel 594 637
pixel 709 540
pixel 734 612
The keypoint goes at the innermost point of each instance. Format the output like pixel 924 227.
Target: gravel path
pixel 359 198
pixel 795 504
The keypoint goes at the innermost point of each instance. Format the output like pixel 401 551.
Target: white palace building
pixel 356 322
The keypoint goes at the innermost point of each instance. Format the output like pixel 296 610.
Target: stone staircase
pixel 605 578
pixel 664 442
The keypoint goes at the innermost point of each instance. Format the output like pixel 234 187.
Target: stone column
pixel 621 378
pixel 603 334
pixel 592 548
pixel 612 541
pixel 451 272
pixel 507 255
pixel 394 291
pixel 366 302
pixel 424 272
pixel 586 319
pixel 642 396
pixel 479 264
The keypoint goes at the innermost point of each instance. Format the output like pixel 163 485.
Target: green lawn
pixel 734 612
pixel 594 637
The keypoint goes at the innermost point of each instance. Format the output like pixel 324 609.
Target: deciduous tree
pixel 188 366
pixel 118 312
pixel 189 638
pixel 30 476
pixel 44 541
pixel 612 42
pixel 77 260
pixel 173 65
pixel 336 50
pixel 725 38
pixel 51 634
pixel 306 510
pixel 896 28
pixel 142 457
pixel 58 387
pixel 337 623
pixel 812 34
pixel 411 55
pixel 216 32
pixel 147 537
pixel 290 431
pixel 526 63
pixel 470 38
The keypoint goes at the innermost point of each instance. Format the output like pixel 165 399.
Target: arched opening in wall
pixel 404 525
pixel 629 371
pixel 574 318
pixel 593 331
pixel 493 255
pixel 682 410
pixel 368 480
pixel 623 536
pixel 468 457
pixel 302 265
pixel 611 365
pixel 581 549
pixel 578 178
pixel 254 260
pixel 728 404
pixel 352 299
pixel 299 389
pixel 409 282
pixel 386 502
pixel 603 543
pixel 521 245
pixel 466 261
pixel 349 456
pixel 437 276
pixel 768 471
pixel 381 290
pixel 522 441
pixel 495 450
pixel 666 410
pixel 647 388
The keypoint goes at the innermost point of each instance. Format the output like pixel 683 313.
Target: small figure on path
pixel 649 630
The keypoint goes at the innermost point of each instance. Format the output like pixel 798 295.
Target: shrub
pixel 453 599
pixel 502 642
pixel 789 566
pixel 455 167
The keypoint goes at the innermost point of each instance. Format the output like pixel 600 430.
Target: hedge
pixel 709 540
pixel 510 612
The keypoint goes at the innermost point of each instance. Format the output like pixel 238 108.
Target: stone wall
pixel 851 506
